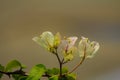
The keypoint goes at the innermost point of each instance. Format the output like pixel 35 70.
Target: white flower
pixel 48 41
pixel 87 48
pixel 68 48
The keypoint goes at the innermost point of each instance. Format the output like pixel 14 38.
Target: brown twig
pixel 20 72
pixel 82 60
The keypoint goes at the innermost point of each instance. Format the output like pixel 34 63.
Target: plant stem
pixel 20 73
pixel 15 72
pixel 77 65
pixel 82 60
pixel 60 62
pixel 58 58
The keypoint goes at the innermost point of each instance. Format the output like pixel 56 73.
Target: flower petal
pixel 95 48
pixel 57 39
pixel 41 42
pixel 46 40
pixel 87 48
pixel 67 48
pixel 71 41
pixel 48 37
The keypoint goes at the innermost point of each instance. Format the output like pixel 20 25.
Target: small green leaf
pixel 71 77
pixel 36 72
pixel 22 78
pixel 49 72
pixel 63 78
pixel 1 69
pixel 68 77
pixel 64 70
pixel 16 76
pixel 55 77
pixel 53 71
pixel 56 71
pixel 19 77
pixel 12 65
pixel 23 66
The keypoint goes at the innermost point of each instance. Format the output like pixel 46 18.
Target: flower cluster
pixel 67 46
pixel 63 48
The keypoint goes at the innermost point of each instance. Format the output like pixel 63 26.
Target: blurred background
pixel 99 20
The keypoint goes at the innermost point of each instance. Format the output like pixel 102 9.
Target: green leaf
pixel 71 77
pixel 63 78
pixel 55 77
pixel 49 72
pixel 22 78
pixel 68 77
pixel 12 65
pixel 19 77
pixel 1 69
pixel 36 72
pixel 64 70
pixel 56 71
pixel 23 66
pixel 16 76
pixel 53 71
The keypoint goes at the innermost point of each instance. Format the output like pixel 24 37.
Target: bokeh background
pixel 21 20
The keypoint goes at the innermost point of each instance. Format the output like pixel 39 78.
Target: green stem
pixel 82 60
pixel 77 65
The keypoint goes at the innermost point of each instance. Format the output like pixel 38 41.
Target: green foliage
pixel 56 71
pixel 63 48
pixel 64 70
pixel 17 76
pixel 63 77
pixel 36 72
pixel 68 77
pixel 1 69
pixel 55 77
pixel 13 64
pixel 71 77
pixel 22 78
pixel 53 71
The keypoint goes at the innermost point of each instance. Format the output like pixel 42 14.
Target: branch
pixel 20 72
pixel 59 60
pixel 82 60
pixel 14 72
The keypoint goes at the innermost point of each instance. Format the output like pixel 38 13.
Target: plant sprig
pixel 63 48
